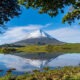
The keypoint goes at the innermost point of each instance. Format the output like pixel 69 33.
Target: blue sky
pixel 30 20
pixel 30 16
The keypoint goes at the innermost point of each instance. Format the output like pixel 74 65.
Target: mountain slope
pixel 38 37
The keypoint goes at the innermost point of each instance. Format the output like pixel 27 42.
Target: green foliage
pixel 11 8
pixel 74 14
pixel 65 73
pixel 51 7
pixel 7 50
pixel 54 7
pixel 8 9
pixel 46 68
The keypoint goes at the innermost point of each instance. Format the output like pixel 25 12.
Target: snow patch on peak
pixel 38 34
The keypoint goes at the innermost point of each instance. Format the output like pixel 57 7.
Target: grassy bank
pixel 66 73
pixel 7 50
pixel 71 48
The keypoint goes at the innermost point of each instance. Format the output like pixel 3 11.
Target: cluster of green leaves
pixel 73 14
pixel 51 7
pixel 8 9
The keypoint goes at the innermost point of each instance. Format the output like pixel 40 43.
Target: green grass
pixel 65 48
pixel 72 48
pixel 66 73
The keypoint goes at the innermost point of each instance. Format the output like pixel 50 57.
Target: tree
pixel 50 7
pixel 53 7
pixel 8 9
pixel 11 8
pixel 74 14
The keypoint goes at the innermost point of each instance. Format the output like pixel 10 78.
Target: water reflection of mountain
pixel 39 60
pixel 39 56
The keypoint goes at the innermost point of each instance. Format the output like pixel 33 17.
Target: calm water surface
pixel 28 62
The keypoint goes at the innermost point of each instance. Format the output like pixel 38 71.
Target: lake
pixel 23 62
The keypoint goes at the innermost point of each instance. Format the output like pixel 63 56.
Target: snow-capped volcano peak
pixel 38 37
pixel 38 34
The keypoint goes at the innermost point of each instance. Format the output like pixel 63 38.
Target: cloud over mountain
pixel 19 33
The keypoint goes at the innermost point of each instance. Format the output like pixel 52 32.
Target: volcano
pixel 38 37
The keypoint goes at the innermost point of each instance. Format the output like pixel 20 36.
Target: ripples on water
pixel 28 62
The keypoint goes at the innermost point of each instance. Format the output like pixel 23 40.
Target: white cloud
pixel 69 34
